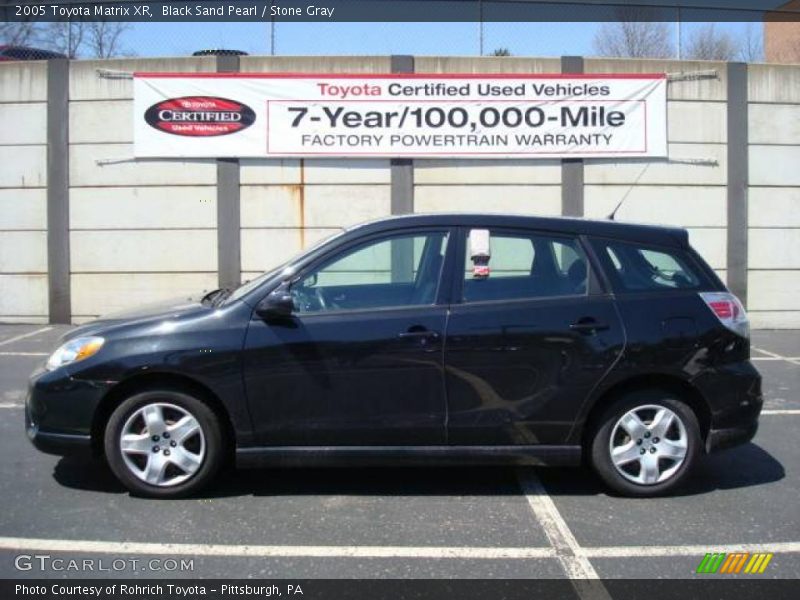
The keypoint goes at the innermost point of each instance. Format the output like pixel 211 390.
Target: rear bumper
pixel 734 395
pixel 719 439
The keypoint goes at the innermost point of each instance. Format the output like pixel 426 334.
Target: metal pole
pixel 58 256
pixel 402 169
pixel 738 180
pixel 680 44
pixel 572 169
pixel 229 240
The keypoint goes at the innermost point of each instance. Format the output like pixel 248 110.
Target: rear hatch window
pixel 635 267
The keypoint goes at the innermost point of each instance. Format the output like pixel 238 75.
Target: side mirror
pixel 279 304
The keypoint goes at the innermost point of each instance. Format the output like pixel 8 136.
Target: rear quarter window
pixel 635 267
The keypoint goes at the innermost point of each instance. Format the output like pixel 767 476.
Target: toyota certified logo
pixel 199 116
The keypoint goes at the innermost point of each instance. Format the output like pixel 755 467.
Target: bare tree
pixel 752 45
pixel 708 43
pixel 636 34
pixel 66 37
pixel 100 39
pixel 21 33
pixel 104 38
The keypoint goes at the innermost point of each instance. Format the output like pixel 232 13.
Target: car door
pixel 527 340
pixel 360 360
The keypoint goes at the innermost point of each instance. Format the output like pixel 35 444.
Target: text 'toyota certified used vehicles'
pixel 427 338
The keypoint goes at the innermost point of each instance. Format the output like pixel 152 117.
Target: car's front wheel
pixel 163 443
pixel 646 444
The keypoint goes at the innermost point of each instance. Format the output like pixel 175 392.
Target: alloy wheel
pixel 162 444
pixel 648 444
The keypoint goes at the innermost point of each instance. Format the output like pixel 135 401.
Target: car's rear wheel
pixel 163 443
pixel 646 443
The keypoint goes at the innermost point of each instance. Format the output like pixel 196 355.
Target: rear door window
pixel 525 265
pixel 635 267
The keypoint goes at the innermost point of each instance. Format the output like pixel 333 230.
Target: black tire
pixel 600 453
pixel 213 443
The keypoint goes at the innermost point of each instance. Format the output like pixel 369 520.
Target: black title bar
pixel 719 588
pixel 397 10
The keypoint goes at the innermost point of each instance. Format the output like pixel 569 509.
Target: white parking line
pixel 579 570
pixel 626 551
pixel 23 354
pixel 12 543
pixel 792 360
pixel 10 405
pixel 24 335
pixel 456 552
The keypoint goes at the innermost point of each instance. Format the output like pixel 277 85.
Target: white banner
pixel 416 115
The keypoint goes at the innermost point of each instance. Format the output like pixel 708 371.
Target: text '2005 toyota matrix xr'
pixel 427 338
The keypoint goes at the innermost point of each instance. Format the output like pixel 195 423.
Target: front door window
pixel 393 272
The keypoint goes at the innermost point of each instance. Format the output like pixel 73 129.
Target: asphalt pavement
pixel 398 522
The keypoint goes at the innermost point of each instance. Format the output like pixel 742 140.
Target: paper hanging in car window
pixel 480 251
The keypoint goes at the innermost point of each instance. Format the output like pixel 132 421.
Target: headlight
pixel 74 350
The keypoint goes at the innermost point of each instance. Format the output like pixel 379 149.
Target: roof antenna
pixel 628 193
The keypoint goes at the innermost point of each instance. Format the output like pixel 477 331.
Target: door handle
pixel 419 334
pixel 588 326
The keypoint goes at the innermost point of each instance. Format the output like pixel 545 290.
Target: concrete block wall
pixel 774 196
pixel 144 231
pixel 508 186
pixel 679 192
pixel 140 231
pixel 289 205
pixel 23 192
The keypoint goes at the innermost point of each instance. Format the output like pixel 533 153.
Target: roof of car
pixel 654 234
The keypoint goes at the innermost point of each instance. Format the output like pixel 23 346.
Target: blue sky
pixel 522 38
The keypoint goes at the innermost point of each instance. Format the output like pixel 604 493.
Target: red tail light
pixel 728 310
pixel 723 309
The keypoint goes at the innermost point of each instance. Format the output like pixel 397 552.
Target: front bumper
pixel 61 444
pixel 59 411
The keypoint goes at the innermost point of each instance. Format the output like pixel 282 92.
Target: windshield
pixel 287 267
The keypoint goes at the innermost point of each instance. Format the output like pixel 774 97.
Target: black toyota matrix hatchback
pixel 430 339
